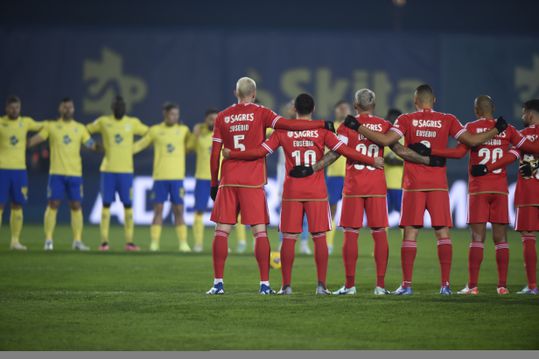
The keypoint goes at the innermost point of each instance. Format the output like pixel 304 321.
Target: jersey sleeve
pixel 85 137
pixel 456 129
pixel 142 143
pixel 217 136
pixel 342 134
pixel 190 140
pixel 140 128
pixel 520 142
pixel 456 152
pixel 401 125
pixel 270 118
pixel 215 155
pixel 332 141
pixel 506 160
pixel 266 148
pixel 44 133
pixel 34 125
pixel 95 126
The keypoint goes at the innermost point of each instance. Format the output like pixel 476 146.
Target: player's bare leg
pixel 181 228
pixel 219 253
pixel 475 257
pixel 104 227
pixel 349 256
pixel 321 257
pixel 15 224
pixel 49 223
pixel 198 231
pixel 381 255
pixel 77 224
pixel 262 254
pixel 331 233
pixel 499 235
pixel 129 229
pixel 445 256
pixel 156 227
pixel 530 262
pixel 408 253
pixel 288 252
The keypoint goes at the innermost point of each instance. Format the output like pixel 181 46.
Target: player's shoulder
pixel 27 119
pixel 530 130
pixel 133 119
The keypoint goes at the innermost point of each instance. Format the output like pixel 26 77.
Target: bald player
pixel 425 188
pixel 240 189
pixel 487 191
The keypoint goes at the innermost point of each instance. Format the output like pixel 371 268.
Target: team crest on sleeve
pixel 290 134
pixel 227 119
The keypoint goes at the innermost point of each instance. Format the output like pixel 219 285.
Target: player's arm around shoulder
pixel 139 127
pixel 190 138
pixel 41 136
pixel 266 148
pixel 33 125
pixel 145 141
pixel 473 140
pixel 95 125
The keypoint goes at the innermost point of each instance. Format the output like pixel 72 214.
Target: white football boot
pixel 346 291
pixel 48 245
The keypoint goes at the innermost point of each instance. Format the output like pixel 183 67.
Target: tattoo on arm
pixel 408 155
pixel 328 159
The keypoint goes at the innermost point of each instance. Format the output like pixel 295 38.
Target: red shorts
pixel 527 219
pixel 250 202
pixel 415 203
pixel 488 207
pixel 318 216
pixel 353 208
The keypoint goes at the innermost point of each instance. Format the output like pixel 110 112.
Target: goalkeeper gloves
pixel 420 148
pixel 528 168
pixel 479 170
pixel 328 125
pixel 501 124
pixel 435 161
pixel 351 122
pixel 301 171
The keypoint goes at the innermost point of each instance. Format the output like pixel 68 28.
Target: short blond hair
pixel 245 87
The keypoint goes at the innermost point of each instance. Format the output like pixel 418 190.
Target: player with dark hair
pixel 118 131
pixel 65 136
pixel 527 190
pixel 425 187
pixel 240 189
pixel 304 196
pixel 13 177
pixel 171 140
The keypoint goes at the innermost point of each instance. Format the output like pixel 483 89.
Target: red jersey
pixel 362 180
pixel 303 148
pixel 433 130
pixel 527 191
pixel 241 127
pixel 490 152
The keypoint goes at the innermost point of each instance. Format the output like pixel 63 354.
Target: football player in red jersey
pixel 304 196
pixel 240 189
pixel 365 191
pixel 425 188
pixel 487 195
pixel 527 191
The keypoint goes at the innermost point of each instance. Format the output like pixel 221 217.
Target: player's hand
pixel 420 148
pixel 501 124
pixel 528 169
pixel 98 147
pixel 328 125
pixel 213 192
pixel 436 161
pixel 479 170
pixel 352 123
pixel 226 153
pixel 379 162
pixel 301 171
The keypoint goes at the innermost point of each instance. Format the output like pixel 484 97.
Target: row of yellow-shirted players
pixel 171 141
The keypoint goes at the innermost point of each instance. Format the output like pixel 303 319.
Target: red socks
pixel 349 255
pixel 262 254
pixel 321 256
pixel 502 260
pixel 288 248
pixel 220 252
pixel 381 254
pixel 408 252
pixel 530 259
pixel 445 256
pixel 475 257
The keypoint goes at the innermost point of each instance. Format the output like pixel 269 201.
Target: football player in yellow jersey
pixel 65 137
pixel 335 173
pixel 13 177
pixel 117 131
pixel 202 142
pixel 393 168
pixel 170 140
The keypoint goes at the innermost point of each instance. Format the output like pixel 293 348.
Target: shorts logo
pixel 118 138
pixel 24 191
pixel 13 140
pixel 67 139
pixel 170 148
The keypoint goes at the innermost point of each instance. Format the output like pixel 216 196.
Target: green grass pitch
pixel 64 300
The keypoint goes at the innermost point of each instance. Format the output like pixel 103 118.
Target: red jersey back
pixel 362 180
pixel 527 192
pixel 242 127
pixel 433 129
pixel 490 152
pixel 303 148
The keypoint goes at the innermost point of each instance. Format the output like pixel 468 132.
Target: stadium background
pixel 192 54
